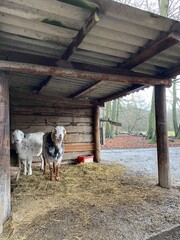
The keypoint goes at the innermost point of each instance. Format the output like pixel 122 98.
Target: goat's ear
pixel 52 136
pixel 27 136
pixel 65 138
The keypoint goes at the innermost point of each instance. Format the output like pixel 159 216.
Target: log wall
pixel 33 118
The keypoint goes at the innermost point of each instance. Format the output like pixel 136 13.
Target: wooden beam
pixel 87 90
pixel 102 69
pixel 97 134
pixel 123 93
pixel 78 74
pixel 89 24
pixel 162 137
pixel 5 188
pixel 47 98
pixel 152 50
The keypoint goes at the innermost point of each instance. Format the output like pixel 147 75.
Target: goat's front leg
pixel 57 172
pixel 42 162
pixel 25 167
pixel 19 163
pixel 54 167
pixel 45 164
pixel 29 166
pixel 51 171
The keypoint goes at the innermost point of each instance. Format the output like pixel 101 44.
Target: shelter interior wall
pixel 32 118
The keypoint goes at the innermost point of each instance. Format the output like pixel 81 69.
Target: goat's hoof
pixel 57 179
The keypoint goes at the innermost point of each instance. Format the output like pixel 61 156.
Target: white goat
pixel 53 150
pixel 27 147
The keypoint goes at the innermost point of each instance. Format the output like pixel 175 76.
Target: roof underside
pixel 41 32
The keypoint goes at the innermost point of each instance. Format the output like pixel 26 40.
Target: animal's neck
pixel 18 146
pixel 58 144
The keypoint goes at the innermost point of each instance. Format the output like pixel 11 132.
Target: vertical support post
pixel 97 134
pixel 162 137
pixel 4 151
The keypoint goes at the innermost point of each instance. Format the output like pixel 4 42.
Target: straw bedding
pixel 91 201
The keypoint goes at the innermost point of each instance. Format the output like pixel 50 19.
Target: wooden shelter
pixel 61 60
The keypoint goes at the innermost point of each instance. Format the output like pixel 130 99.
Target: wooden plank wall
pixel 79 140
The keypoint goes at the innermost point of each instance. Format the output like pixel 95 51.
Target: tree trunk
pixel 178 133
pixel 151 126
pixel 174 112
pixel 163 9
pixel 108 115
pixel 113 117
pixel 118 115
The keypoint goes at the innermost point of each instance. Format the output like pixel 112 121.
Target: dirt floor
pixel 94 202
pixel 124 141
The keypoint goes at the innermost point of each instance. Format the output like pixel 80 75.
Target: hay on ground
pixel 80 188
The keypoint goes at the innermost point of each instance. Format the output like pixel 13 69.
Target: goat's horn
pixel 72 123
pixel 49 124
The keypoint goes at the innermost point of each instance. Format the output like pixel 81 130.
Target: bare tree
pixel 174 110
pixel 108 115
pixel 133 114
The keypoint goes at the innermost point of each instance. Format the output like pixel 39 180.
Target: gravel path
pixel 143 162
pixel 173 234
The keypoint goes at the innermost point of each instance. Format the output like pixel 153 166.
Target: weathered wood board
pixel 4 151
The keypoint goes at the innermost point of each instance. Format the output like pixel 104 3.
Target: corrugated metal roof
pixel 45 28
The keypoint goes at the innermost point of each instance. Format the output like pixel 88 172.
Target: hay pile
pixel 81 188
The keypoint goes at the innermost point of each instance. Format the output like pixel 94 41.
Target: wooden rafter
pixel 152 49
pixel 89 24
pixel 123 93
pixel 86 90
pixel 79 74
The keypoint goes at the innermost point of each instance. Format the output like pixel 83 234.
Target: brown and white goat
pixel 53 150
